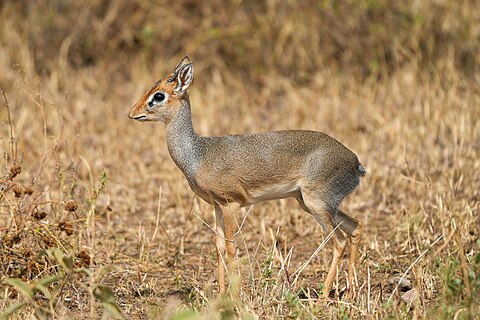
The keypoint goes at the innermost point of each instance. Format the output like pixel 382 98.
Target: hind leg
pixel 355 237
pixel 338 251
pixel 354 229
pixel 324 214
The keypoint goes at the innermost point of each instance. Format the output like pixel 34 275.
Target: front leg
pixel 220 246
pixel 231 228
pixel 226 227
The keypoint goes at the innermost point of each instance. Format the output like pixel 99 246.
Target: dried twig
pixel 12 134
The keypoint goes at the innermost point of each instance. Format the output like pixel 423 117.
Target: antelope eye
pixel 158 97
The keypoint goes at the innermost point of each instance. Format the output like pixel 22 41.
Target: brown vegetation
pixel 92 208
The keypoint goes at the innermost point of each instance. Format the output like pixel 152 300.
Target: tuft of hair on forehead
pixel 172 77
pixel 157 83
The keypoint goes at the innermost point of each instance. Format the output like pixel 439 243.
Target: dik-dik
pixel 235 171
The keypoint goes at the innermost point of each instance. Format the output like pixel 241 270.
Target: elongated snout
pixel 136 112
pixel 132 113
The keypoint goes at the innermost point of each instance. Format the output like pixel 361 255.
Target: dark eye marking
pixel 158 97
pixel 155 98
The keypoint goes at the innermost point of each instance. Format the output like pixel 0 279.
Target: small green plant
pixel 47 289
pixel 342 313
pixel 107 299
pixel 293 304
pixel 188 314
pixel 267 270
pixel 461 294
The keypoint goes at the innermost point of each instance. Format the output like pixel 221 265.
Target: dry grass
pixel 398 84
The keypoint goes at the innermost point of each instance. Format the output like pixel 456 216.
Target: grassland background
pixel 398 82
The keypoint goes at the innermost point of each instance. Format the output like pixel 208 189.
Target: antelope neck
pixel 183 142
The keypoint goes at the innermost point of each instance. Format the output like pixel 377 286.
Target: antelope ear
pixel 182 62
pixel 184 79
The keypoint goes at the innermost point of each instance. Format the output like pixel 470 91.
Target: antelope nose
pixel 131 114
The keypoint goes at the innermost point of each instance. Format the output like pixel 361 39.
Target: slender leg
pixel 338 251
pixel 220 246
pixel 324 214
pixel 339 245
pixel 226 227
pixel 356 237
pixel 354 229
pixel 231 228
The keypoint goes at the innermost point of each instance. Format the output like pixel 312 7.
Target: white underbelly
pixel 272 192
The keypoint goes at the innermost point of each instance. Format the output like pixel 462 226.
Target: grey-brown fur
pixel 223 169
pixel 238 170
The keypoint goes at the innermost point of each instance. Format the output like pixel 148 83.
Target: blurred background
pixel 251 39
pixel 398 82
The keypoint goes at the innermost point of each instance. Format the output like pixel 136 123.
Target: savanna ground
pixel 96 220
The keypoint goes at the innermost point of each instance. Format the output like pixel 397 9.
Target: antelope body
pixel 234 171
